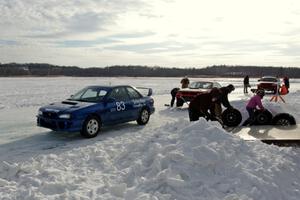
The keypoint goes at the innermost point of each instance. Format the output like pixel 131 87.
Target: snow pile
pixel 178 161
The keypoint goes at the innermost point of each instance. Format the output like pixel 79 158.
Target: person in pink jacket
pixel 253 104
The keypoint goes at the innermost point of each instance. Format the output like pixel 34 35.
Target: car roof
pixel 204 81
pixel 270 77
pixel 108 86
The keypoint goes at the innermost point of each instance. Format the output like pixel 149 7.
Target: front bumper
pixel 152 110
pixel 67 125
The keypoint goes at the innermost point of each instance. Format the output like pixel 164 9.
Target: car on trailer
pixel 96 106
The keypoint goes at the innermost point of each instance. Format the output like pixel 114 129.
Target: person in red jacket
pixel 253 104
pixel 203 105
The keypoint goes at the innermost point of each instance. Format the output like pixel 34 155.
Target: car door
pixel 136 102
pixel 118 103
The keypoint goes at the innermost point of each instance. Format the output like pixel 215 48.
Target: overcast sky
pixel 168 33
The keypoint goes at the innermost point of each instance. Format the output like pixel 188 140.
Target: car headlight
pixel 40 113
pixel 65 116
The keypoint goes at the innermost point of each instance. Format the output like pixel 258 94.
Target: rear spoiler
pixel 145 90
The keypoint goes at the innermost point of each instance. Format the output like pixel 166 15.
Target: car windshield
pixel 89 94
pixel 269 79
pixel 201 85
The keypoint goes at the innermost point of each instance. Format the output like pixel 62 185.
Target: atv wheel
pixel 262 117
pixel 143 117
pixel 283 119
pixel 231 117
pixel 91 127
pixel 179 102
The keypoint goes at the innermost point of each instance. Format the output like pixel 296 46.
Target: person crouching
pixel 252 105
pixel 203 103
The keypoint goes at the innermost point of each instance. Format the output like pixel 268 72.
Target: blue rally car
pixel 96 106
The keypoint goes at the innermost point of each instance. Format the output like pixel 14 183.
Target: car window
pixel 119 94
pixel 217 85
pixel 133 94
pixel 201 85
pixel 269 79
pixel 89 95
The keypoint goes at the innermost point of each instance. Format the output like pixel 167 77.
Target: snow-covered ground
pixel 169 158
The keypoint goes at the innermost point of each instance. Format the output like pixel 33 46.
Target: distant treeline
pixel 38 69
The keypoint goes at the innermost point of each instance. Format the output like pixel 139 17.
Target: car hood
pixel 66 106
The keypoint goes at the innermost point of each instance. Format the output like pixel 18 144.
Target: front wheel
pixel 143 117
pixel 91 127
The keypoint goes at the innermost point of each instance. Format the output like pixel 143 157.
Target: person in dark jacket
pixel 222 100
pixel 185 82
pixel 173 94
pixel 246 84
pixel 203 105
pixel 286 82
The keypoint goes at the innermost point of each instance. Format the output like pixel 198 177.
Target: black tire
pixel 231 117
pixel 91 127
pixel 144 117
pixel 262 117
pixel 283 119
pixel 179 102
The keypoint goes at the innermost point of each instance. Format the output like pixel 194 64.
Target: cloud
pixel 86 43
pixel 106 40
pixel 8 42
pixel 88 22
pixel 57 19
pixel 153 47
pixel 132 35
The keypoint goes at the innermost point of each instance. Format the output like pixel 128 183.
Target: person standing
pixel 246 84
pixel 173 94
pixel 286 82
pixel 185 82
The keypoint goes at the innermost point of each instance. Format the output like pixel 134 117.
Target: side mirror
pixel 149 92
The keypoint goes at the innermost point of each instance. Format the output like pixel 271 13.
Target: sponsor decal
pixel 138 103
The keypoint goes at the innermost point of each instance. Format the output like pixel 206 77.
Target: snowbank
pixel 180 161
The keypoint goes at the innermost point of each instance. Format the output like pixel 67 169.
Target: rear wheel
pixel 143 117
pixel 231 117
pixel 91 127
